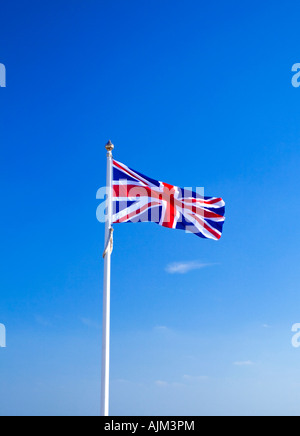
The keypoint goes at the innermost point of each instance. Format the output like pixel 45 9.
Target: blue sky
pixel 191 93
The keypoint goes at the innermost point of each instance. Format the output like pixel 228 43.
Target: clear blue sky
pixel 193 93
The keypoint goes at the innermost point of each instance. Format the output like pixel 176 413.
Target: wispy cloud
pixel 161 328
pixel 195 378
pixel 187 380
pixel 163 384
pixel 90 323
pixel 244 363
pixel 42 321
pixel 121 380
pixel 185 267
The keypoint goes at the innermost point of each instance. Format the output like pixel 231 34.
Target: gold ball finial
pixel 109 146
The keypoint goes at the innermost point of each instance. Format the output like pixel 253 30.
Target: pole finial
pixel 109 146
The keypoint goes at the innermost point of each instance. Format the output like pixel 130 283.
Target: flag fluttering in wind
pixel 137 198
pixel 133 197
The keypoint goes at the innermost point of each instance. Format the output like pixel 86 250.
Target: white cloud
pixel 162 329
pixel 121 380
pixel 244 363
pixel 161 383
pixel 185 267
pixel 195 378
pixel 42 321
pixel 89 323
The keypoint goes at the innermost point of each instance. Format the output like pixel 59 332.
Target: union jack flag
pixel 137 198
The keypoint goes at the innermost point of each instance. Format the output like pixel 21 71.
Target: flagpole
pixel 106 288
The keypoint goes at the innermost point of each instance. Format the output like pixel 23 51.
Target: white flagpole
pixel 106 288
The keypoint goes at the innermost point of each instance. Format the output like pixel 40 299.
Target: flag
pixel 137 198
